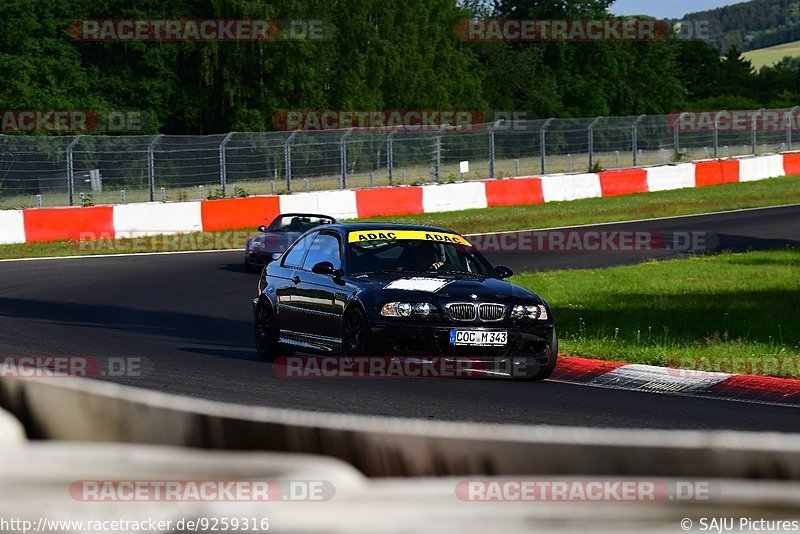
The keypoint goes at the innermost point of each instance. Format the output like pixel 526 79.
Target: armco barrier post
pixel 390 154
pixel 755 130
pixel 223 171
pixel 591 140
pixel 287 156
pixel 71 170
pixel 635 139
pixel 151 167
pixel 542 141
pixel 343 157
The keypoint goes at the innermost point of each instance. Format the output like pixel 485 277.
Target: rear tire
pixel 267 332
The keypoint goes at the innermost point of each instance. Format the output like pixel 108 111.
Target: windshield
pixel 415 256
pixel 298 223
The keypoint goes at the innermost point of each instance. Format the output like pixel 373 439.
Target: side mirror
pixel 262 229
pixel 324 267
pixel 503 272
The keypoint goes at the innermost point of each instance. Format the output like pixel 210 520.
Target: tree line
pixel 751 25
pixel 382 55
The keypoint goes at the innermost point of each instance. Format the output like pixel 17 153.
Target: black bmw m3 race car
pixel 383 289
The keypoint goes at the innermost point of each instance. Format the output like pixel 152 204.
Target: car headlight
pixel 258 245
pixel 407 309
pixel 529 312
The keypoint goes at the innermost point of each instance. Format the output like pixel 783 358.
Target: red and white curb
pixel 648 378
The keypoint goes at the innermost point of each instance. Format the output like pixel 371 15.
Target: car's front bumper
pixel 528 342
pixel 258 258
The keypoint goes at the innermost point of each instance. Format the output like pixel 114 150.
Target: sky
pixel 672 9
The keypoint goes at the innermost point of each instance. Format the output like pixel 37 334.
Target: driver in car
pixel 427 258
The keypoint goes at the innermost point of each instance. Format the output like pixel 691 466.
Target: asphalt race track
pixel 188 316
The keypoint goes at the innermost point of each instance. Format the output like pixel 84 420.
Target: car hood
pixel 452 288
pixel 276 241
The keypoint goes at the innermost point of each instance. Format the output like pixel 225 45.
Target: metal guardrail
pixel 53 171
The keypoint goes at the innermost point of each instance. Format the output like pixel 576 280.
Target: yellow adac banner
pixel 419 235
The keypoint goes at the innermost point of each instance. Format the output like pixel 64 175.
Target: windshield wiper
pixel 454 271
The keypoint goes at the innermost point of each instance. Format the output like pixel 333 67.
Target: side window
pixel 325 248
pixel 294 258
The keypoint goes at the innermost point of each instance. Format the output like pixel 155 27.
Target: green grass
pixel 732 312
pixel 772 55
pixel 586 211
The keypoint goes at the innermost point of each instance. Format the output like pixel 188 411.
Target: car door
pixel 320 298
pixel 287 281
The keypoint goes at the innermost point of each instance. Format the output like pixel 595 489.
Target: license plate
pixel 475 338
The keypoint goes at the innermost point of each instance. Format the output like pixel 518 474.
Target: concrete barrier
pixel 670 177
pixel 153 218
pixel 89 410
pixel 11 430
pixel 44 482
pixel 12 227
pixel 760 168
pixel 561 187
pixel 453 197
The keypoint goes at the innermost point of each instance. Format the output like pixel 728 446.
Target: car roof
pixel 317 215
pixel 360 226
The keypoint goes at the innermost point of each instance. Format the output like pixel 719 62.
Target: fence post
pixel 755 134
pixel 343 156
pixel 789 122
pixel 591 140
pixel 71 170
pixel 437 150
pixel 223 171
pixel 491 147
pixel 677 133
pixel 151 167
pixel 635 138
pixel 390 154
pixel 542 139
pixel 716 133
pixel 287 156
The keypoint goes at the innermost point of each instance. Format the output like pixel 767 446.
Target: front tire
pixel 547 370
pixel 355 333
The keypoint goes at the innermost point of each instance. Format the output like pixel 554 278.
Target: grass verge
pixel 771 192
pixel 735 313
